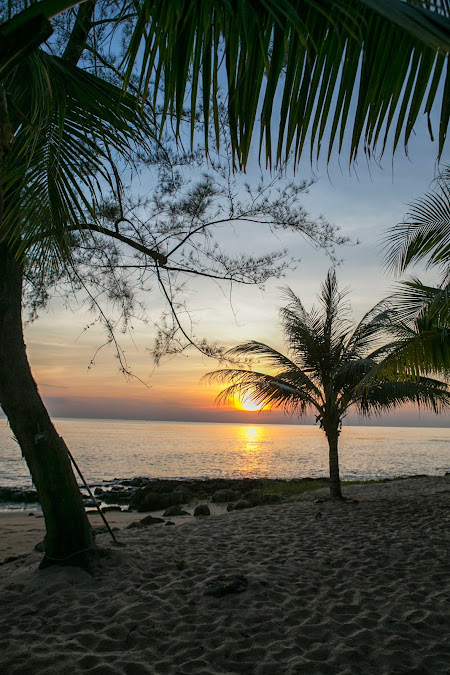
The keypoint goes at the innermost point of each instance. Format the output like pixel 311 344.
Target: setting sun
pixel 247 403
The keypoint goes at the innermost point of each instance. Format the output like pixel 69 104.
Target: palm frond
pixel 418 324
pixel 272 391
pixel 415 301
pixel 387 55
pixel 286 369
pixel 426 393
pixel 427 351
pixel 70 127
pixel 425 233
pixel 367 333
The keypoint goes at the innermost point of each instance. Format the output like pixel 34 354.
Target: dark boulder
pixel 176 510
pixel 146 500
pixel 225 496
pixel 242 504
pixel 145 522
pixel 118 496
pixel 254 496
pixel 202 510
pixel 18 495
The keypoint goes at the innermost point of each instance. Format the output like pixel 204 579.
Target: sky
pixel 363 202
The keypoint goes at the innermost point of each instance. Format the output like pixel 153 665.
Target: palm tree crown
pixel 328 363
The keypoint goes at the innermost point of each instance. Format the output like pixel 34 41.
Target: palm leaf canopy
pixel 329 361
pixel 418 324
pixel 425 233
pixel 318 73
pixel 316 60
pixel 67 130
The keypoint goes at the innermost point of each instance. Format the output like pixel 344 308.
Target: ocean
pixel 108 449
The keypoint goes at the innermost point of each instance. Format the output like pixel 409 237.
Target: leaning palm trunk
pixel 69 536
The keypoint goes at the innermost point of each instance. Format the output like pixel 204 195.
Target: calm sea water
pixel 107 449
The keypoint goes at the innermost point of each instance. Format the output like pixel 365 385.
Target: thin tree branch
pixel 159 258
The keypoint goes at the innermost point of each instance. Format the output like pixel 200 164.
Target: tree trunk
pixel 69 538
pixel 335 481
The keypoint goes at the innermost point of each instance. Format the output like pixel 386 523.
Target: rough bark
pixel 69 538
pixel 335 481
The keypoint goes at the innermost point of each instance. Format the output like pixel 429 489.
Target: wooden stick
pixel 72 459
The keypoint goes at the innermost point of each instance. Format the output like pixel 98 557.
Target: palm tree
pixel 420 314
pixel 61 128
pixel 327 364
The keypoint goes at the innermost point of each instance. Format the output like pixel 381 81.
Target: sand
pixel 362 588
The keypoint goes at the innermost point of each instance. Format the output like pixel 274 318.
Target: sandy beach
pixel 324 588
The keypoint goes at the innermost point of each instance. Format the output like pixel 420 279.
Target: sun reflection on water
pixel 252 450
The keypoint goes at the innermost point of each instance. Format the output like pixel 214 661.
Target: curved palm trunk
pixel 335 481
pixel 69 536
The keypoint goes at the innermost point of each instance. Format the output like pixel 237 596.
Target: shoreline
pixel 359 590
pixel 119 491
pixel 21 529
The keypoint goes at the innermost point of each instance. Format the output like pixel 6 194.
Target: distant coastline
pixel 395 420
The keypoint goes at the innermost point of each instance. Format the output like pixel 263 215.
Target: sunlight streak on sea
pixel 107 449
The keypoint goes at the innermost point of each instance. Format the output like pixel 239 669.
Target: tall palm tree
pixel 327 361
pixel 61 129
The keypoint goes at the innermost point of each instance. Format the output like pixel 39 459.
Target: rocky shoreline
pixel 144 494
pixel 152 494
